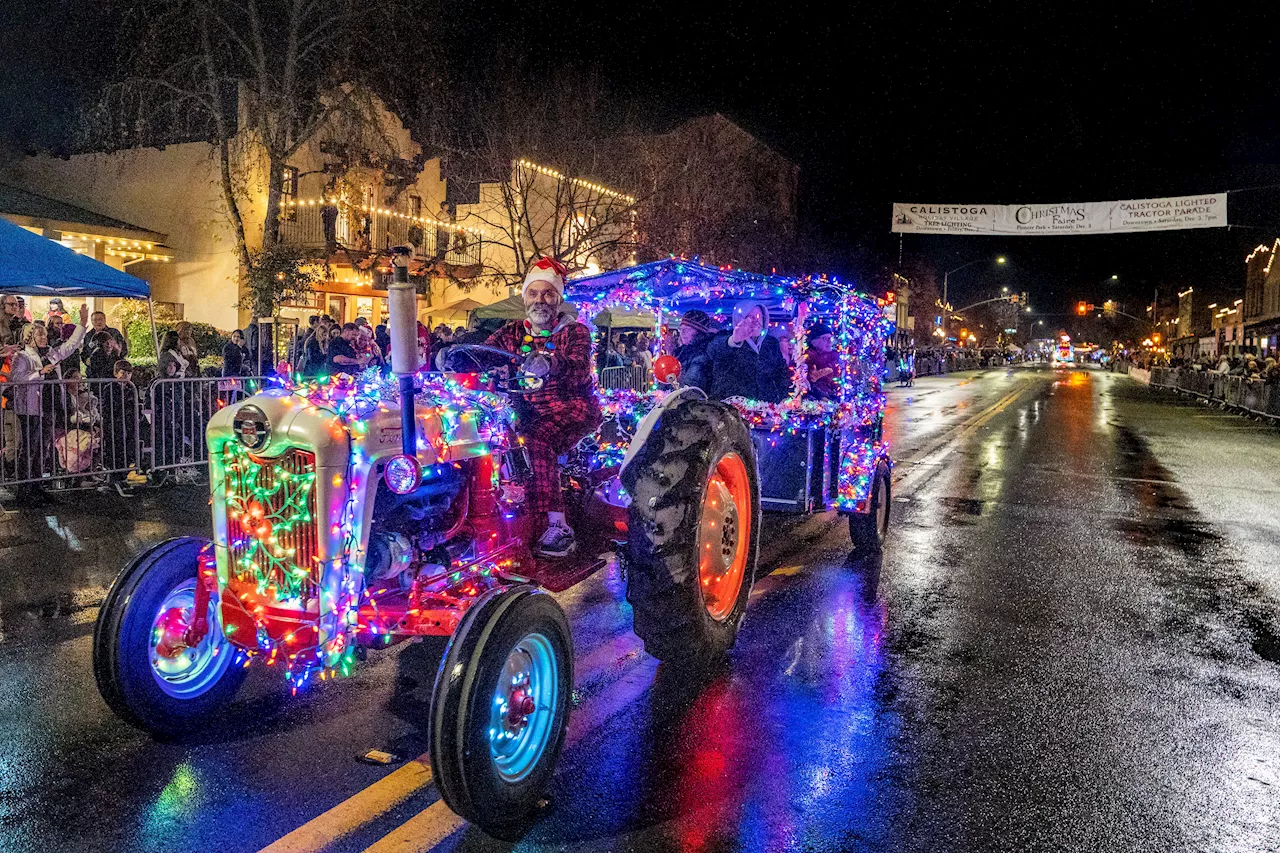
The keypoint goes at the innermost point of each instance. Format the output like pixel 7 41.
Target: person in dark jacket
pixel 103 353
pixel 697 330
pixel 315 362
pixel 747 362
pixel 121 426
pixel 823 364
pixel 234 355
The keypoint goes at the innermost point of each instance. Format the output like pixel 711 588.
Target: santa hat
pixel 549 270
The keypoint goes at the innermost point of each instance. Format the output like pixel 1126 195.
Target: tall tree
pixel 526 146
pixel 256 79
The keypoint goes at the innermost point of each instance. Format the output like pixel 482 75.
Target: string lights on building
pixel 384 211
pixel 578 182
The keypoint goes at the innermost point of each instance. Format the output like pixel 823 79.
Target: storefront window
pixel 336 307
pixel 364 307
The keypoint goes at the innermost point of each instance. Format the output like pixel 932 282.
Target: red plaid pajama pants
pixel 551 427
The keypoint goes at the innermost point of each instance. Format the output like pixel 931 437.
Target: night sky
pixel 918 102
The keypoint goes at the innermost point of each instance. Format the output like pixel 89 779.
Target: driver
pixel 564 409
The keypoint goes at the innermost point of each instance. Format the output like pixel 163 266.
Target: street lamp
pixel 947 275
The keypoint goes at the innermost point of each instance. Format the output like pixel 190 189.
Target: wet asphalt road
pixel 1072 643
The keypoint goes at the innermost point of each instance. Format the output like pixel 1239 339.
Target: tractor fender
pixel 680 395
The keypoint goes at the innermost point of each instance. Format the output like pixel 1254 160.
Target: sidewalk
pixel 58 559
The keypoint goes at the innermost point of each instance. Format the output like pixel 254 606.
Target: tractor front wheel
pixel 500 708
pixel 150 668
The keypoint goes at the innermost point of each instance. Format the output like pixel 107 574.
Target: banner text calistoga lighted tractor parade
pixel 371 509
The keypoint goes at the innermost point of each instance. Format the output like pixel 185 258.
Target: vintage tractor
pixel 366 511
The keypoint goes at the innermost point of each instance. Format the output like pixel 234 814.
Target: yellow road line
pixel 421 832
pixel 968 425
pixel 359 809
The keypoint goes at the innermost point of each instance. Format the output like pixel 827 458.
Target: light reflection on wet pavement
pixel 1065 648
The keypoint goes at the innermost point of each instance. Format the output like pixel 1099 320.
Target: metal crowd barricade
pixel 633 377
pixel 180 412
pixel 69 432
pixel 1250 396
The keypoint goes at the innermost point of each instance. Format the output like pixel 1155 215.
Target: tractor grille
pixel 281 494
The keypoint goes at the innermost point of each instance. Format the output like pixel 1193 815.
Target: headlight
pixel 252 427
pixel 402 474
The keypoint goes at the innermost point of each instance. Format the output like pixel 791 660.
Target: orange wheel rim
pixel 724 536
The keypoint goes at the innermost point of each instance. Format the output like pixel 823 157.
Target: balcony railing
pixel 314 226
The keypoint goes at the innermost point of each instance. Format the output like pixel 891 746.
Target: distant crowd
pixel 1262 367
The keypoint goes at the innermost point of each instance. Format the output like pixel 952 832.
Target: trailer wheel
pixel 500 708
pixel 869 531
pixel 145 669
pixel 694 524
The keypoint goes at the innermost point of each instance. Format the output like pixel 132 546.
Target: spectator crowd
pixel 72 413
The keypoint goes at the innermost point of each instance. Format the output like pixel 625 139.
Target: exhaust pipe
pixel 402 302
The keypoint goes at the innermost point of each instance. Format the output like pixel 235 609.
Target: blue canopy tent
pixel 36 266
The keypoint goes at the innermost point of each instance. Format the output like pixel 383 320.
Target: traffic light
pixel 1082 308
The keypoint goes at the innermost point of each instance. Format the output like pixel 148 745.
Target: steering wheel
pixel 481 357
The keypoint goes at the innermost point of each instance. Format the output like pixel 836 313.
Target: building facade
pixel 118 244
pixel 346 219
pixel 1261 307
pixel 733 202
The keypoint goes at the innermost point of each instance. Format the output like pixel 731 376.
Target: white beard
pixel 540 314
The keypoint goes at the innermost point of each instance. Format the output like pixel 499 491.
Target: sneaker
pixel 558 541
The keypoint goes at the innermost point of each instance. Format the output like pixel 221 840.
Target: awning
pixel 511 308
pixel 464 304
pixel 36 266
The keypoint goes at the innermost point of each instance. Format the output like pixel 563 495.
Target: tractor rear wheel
pixel 694 525
pixel 869 531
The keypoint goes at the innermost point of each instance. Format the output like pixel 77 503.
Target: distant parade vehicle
pixel 368 510
pixel 1064 353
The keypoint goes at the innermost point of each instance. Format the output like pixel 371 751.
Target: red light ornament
pixel 666 368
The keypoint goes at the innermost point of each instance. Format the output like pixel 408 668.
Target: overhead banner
pixel 1090 217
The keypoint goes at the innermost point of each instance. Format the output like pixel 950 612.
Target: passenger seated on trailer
pixel 697 330
pixel 822 364
pixel 747 362
pixel 564 410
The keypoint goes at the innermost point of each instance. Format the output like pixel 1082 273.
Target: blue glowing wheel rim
pixel 522 714
pixel 182 671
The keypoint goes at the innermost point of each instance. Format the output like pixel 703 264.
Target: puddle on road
pixel 1266 642
pixel 957 507
pixel 1167 518
pixel 1166 515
